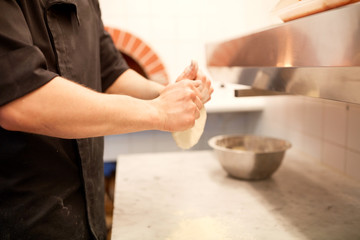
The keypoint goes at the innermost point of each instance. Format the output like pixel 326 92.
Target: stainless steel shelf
pixel 317 56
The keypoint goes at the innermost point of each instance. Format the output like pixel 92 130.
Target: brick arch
pixel 141 53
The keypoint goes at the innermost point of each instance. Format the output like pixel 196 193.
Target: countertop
pixel 188 196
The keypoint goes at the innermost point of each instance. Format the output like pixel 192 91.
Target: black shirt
pixel 52 188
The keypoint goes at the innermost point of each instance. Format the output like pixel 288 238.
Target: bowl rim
pixel 212 143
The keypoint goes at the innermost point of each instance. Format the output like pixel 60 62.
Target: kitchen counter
pixel 187 196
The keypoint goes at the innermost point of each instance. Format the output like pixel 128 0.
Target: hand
pixel 179 105
pixel 193 72
pixel 190 72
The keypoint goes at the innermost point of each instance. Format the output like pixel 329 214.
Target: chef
pixel 63 85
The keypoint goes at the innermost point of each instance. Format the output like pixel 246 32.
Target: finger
pixel 198 103
pixel 205 88
pixel 196 109
pixel 198 91
pixel 211 90
pixel 190 72
pixel 197 83
pixel 197 113
pixel 201 76
pixel 205 95
pixel 202 80
pixel 193 88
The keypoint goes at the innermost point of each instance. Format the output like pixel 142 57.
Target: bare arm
pixel 133 84
pixel 65 109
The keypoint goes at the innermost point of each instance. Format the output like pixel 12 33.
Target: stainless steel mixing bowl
pixel 249 157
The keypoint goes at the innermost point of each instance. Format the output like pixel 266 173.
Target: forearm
pixel 65 109
pixel 133 84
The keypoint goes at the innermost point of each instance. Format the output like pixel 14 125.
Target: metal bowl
pixel 249 157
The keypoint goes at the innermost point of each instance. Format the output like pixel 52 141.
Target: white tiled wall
pixel 178 31
pixel 327 131
pixel 156 141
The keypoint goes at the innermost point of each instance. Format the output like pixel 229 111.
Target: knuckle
pixel 191 108
pixel 191 94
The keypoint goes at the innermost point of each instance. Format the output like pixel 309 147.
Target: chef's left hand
pixel 193 72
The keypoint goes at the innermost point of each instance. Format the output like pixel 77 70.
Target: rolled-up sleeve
pixel 23 66
pixel 112 62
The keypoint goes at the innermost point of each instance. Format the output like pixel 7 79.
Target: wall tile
pixel 312 146
pixel 163 29
pixel 210 28
pixel 188 29
pixel 189 8
pixel 296 138
pixel 275 109
pixel 140 26
pixel 164 142
pixel 353 165
pixel 214 126
pixel 113 9
pixel 335 122
pixel 115 145
pixel 252 122
pixel 295 112
pixel 334 156
pixel 207 21
pixel 141 142
pixel 313 117
pixel 233 123
pixel 187 51
pixel 275 130
pixel 162 8
pixel 136 8
pixel 282 118
pixel 353 135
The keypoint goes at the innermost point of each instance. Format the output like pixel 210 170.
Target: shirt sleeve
pixel 23 66
pixel 113 63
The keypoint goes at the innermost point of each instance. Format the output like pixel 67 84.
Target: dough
pixel 189 138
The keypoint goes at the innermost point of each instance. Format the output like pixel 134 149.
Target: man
pixel 63 85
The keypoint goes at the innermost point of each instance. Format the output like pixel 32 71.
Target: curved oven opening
pixel 139 55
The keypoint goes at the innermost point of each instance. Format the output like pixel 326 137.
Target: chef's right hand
pixel 179 105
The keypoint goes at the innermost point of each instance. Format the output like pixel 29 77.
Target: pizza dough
pixel 189 138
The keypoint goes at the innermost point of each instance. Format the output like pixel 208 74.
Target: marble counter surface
pixel 187 196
